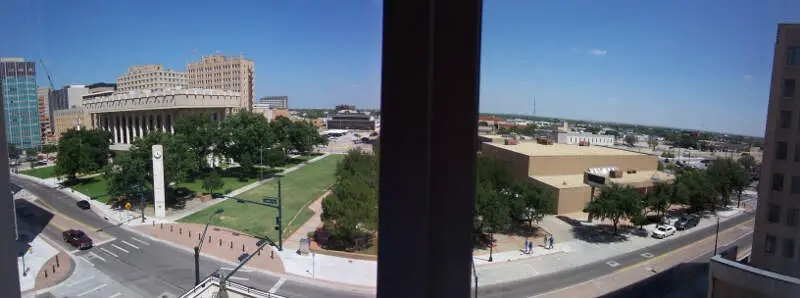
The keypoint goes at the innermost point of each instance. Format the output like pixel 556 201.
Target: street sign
pixel 272 201
pixel 128 206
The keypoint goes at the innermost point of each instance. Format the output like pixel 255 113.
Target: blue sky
pixel 680 63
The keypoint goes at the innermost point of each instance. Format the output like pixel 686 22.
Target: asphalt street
pixel 546 283
pixel 152 268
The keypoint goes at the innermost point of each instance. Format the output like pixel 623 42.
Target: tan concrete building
pixel 152 77
pixel 132 115
pixel 69 119
pixel 43 95
pixel 270 112
pixel 574 172
pixel 224 73
pixel 774 269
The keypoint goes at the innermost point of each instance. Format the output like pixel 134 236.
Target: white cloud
pixel 747 76
pixel 598 52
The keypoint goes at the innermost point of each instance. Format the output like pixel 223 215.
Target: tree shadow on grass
pixel 602 233
pixel 79 181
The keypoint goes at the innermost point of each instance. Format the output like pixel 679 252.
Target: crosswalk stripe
pixel 109 252
pixel 131 245
pixel 120 248
pixel 140 241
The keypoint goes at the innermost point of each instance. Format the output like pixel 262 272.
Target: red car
pixel 77 238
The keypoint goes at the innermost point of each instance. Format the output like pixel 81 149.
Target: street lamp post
pixel 272 203
pixel 200 245
pixel 716 234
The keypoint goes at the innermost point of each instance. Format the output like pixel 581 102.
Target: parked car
pixel 78 239
pixel 663 231
pixel 84 204
pixel 686 222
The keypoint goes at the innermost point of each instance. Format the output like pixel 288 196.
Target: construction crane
pixel 53 89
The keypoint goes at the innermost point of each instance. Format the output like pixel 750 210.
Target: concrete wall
pixel 517 162
pixel 730 279
pixel 571 200
pixel 571 165
pixel 65 120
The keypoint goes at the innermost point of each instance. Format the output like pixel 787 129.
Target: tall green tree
pixel 13 151
pixel 658 198
pixel 728 177
pixel 303 136
pixel 246 134
pixel 282 131
pixel 179 162
pixel 695 188
pixel 630 140
pixel 652 142
pixel 212 182
pixel 351 211
pixel 615 203
pixel 82 151
pixel 748 162
pixel 529 202
pixel 49 148
pixel 201 134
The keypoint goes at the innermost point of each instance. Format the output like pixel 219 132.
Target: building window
pixel 792 55
pixel 791 217
pixel 785 120
pixel 788 248
pixel 788 88
pixel 795 187
pixel 781 150
pixel 769 244
pixel 774 213
pixel 797 153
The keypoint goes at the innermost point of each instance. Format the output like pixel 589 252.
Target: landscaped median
pixel 299 188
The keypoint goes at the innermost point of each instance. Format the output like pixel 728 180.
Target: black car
pixel 686 222
pixel 84 204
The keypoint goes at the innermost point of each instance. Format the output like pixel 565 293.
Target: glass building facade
pixel 18 90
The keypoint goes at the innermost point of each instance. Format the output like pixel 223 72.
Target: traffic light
pixel 277 223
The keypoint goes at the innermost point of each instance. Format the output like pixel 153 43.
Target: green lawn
pixel 92 187
pixel 299 189
pixel 43 173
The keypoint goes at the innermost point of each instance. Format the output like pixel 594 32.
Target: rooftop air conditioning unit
pixel 615 174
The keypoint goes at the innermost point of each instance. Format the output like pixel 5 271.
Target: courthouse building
pixel 134 114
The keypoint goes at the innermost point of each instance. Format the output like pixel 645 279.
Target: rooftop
pixel 535 149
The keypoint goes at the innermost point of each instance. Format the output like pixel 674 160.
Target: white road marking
pixel 612 263
pixel 92 290
pixel 140 241
pixel 131 245
pixel 120 248
pixel 648 255
pixel 80 281
pixel 240 269
pixel 238 278
pixel 109 252
pixel 103 242
pixel 94 255
pixel 86 260
pixel 277 285
pixel 115 295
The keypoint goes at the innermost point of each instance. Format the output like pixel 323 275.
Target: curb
pixel 73 264
pixel 287 276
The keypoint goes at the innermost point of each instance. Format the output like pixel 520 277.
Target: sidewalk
pixel 309 226
pixel 572 253
pixel 630 275
pixel 220 242
pixel 37 253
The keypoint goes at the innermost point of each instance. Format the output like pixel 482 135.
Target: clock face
pixel 156 155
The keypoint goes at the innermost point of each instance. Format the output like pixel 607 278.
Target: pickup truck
pixel 78 239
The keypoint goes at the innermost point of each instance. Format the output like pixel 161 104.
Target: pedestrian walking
pixel 525 247
pixel 551 241
pixel 545 241
pixel 530 247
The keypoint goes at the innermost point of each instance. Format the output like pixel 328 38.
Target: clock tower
pixel 158 181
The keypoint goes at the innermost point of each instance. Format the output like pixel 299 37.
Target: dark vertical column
pixel 9 274
pixel 429 105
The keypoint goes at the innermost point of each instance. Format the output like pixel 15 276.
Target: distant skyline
pixel 688 64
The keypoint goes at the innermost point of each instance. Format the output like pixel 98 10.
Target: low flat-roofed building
pixel 593 139
pixel 573 171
